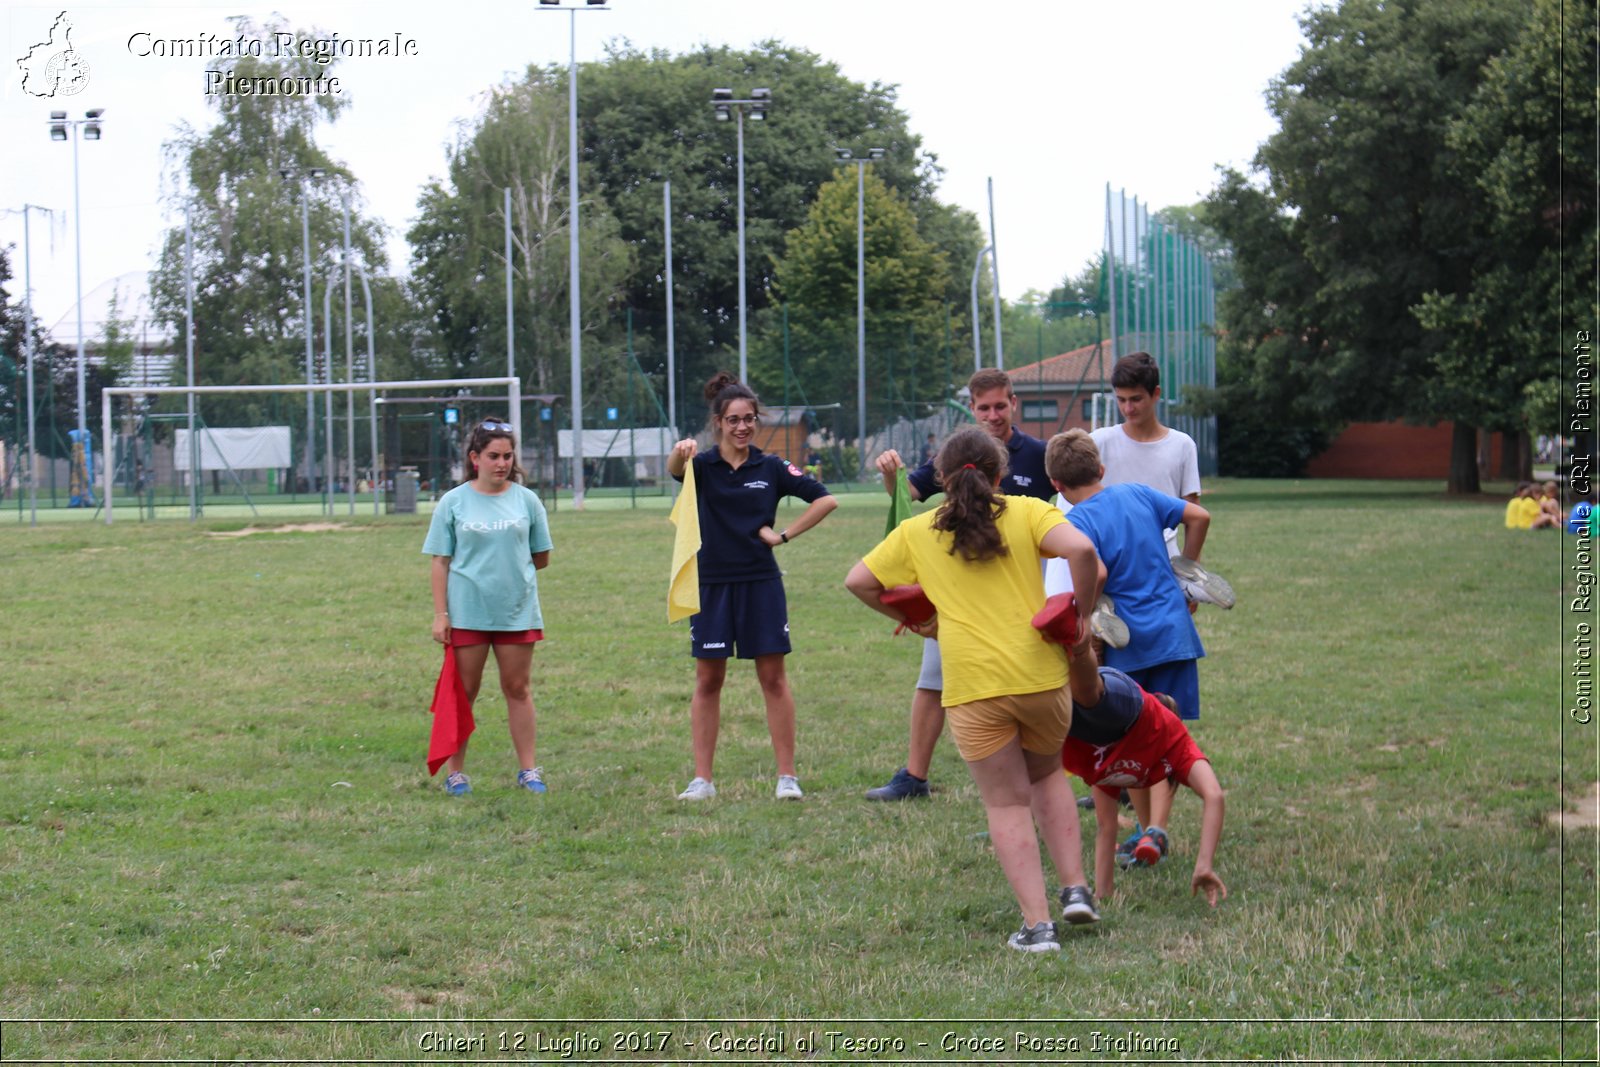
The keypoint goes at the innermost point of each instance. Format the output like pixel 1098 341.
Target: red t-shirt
pixel 1156 748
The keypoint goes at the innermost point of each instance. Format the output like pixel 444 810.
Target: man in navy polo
pixel 994 405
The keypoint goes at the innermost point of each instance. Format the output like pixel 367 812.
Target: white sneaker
pixel 1104 623
pixel 1201 585
pixel 698 789
pixel 789 787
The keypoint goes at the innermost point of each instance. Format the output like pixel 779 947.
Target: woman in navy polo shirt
pixel 743 611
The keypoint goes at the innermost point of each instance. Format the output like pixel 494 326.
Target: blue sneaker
pixel 531 779
pixel 903 786
pixel 456 784
pixel 1125 850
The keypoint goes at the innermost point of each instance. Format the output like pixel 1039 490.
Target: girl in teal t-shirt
pixel 489 538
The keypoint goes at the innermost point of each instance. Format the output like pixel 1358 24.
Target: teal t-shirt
pixel 491 541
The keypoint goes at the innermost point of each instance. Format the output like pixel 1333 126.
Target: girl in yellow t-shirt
pixel 977 557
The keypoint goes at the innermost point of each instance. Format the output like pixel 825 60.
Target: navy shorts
pixel 1179 679
pixel 747 619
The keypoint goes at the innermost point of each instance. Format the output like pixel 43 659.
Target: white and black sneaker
pixel 1040 937
pixel 1201 585
pixel 1077 905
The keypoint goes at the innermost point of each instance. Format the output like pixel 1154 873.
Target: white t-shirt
pixel 1170 465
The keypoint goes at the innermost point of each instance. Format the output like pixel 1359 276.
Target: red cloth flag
pixel 452 714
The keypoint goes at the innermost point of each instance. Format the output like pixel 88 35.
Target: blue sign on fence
pixel 544 414
pixel 611 414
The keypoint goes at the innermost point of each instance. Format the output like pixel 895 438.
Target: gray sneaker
pixel 1105 625
pixel 699 789
pixel 1040 937
pixel 1201 585
pixel 1077 905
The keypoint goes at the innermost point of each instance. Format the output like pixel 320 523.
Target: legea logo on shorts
pixel 53 67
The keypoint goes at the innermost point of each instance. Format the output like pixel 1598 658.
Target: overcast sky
pixel 1050 98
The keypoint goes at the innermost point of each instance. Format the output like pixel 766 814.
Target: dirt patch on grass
pixel 1585 816
pixel 300 527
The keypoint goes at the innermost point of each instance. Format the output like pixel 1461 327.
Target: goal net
pixel 312 444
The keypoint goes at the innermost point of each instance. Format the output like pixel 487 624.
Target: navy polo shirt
pixel 1025 478
pixel 736 503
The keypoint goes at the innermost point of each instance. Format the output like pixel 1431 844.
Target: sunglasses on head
pixel 491 424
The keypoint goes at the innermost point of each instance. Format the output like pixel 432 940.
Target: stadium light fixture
pixel 723 105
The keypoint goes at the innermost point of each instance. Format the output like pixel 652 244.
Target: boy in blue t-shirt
pixel 1127 524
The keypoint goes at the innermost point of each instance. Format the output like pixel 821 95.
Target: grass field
pixel 215 808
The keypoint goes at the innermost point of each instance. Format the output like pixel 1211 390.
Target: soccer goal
pixel 200 448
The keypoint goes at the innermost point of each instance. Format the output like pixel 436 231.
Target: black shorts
pixel 747 619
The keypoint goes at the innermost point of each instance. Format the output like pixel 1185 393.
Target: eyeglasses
pixel 491 424
pixel 741 420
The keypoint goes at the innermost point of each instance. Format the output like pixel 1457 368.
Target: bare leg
pixel 516 665
pixel 780 709
pixel 927 723
pixel 1003 783
pixel 469 664
pixel 1056 813
pixel 705 712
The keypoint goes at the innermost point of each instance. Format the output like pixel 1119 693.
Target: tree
pixel 906 280
pixel 647 118
pixel 518 143
pixel 249 310
pixel 1367 209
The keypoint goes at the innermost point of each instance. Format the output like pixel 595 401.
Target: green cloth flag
pixel 899 502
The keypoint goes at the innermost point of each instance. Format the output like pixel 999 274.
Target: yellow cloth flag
pixel 683 584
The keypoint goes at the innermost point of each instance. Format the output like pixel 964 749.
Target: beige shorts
pixel 984 727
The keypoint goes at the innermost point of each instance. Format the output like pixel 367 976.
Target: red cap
pixel 1058 619
pixel 911 600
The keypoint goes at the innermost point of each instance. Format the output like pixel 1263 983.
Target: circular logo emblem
pixel 68 72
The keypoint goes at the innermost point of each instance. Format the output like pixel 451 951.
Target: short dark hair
pixel 1136 370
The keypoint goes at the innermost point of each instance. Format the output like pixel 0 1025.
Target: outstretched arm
pixel 1203 780
pixel 1105 842
pixel 888 462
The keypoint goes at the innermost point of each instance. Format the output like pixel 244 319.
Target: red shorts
pixel 460 638
pixel 1157 748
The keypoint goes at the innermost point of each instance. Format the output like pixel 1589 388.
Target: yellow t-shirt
pixel 1521 512
pixel 986 637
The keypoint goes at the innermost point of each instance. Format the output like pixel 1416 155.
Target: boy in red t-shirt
pixel 1122 737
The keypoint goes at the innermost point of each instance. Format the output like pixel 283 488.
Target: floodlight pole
pixel 372 376
pixel 672 380
pixel 349 359
pixel 90 125
pixel 312 173
pixel 724 104
pixel 576 316
pixel 872 155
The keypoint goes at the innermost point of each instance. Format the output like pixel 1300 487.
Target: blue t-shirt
pixel 1127 525
pixel 491 541
pixel 736 503
pixel 1026 476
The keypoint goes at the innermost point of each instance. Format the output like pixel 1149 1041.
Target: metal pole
pixel 572 279
pixel 861 312
pixel 977 321
pixel 188 349
pixel 372 376
pixel 27 320
pixel 305 243
pixel 672 380
pixel 1110 279
pixel 327 398
pixel 77 234
pixel 994 266
pixel 349 361
pixel 744 371
pixel 511 347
